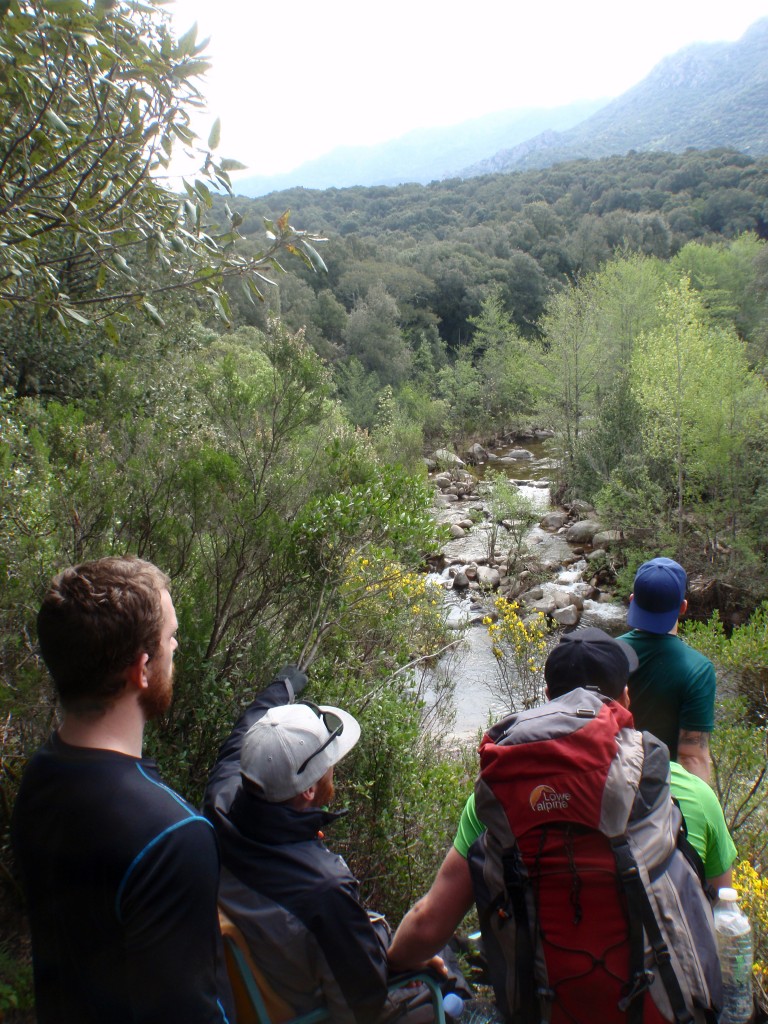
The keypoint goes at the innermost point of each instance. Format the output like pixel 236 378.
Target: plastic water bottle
pixel 734 944
pixel 453 1005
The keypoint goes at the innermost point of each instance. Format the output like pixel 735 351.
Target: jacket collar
pixel 270 823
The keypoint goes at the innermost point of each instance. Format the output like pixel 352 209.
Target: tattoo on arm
pixel 693 739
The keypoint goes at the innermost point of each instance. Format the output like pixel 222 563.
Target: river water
pixel 471 667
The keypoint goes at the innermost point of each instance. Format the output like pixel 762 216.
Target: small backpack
pixel 590 907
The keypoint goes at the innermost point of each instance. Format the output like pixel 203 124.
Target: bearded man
pixel 297 902
pixel 120 873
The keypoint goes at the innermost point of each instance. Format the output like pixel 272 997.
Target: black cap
pixel 589 657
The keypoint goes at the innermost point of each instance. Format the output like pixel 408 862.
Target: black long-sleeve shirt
pixel 121 880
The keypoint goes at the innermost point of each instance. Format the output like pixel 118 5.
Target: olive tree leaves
pixel 93 99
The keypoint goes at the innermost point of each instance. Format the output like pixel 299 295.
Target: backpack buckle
pixel 641 983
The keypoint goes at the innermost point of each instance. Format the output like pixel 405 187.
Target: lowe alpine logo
pixel 544 798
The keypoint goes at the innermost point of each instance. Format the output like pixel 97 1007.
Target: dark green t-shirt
pixel 672 689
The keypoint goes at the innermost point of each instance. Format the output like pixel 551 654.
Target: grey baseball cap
pixel 292 746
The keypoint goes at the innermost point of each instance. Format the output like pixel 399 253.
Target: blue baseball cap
pixel 659 591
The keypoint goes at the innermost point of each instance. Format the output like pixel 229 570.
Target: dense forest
pixel 437 249
pixel 248 405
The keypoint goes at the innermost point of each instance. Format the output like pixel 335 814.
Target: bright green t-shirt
pixel 707 831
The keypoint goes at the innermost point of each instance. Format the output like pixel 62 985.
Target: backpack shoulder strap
pixel 640 907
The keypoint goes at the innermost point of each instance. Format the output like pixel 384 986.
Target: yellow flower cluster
pixel 510 635
pixel 392 593
pixel 752 888
pixel 520 648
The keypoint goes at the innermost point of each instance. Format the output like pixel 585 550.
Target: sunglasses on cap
pixel 332 723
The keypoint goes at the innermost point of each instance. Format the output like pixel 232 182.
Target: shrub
pixel 520 647
pixel 752 885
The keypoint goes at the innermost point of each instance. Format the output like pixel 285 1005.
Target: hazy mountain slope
pixel 421 156
pixel 705 96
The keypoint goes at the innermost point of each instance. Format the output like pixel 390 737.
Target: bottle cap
pixel 729 895
pixel 453 1004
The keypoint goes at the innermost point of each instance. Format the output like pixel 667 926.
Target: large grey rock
pixel 581 507
pixel 554 520
pixel 516 455
pixel 456 532
pixel 568 616
pixel 565 598
pixel 582 532
pixel 608 539
pixel 488 577
pixel 476 453
pixel 545 604
pixel 445 458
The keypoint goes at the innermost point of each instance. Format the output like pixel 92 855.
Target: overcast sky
pixel 293 79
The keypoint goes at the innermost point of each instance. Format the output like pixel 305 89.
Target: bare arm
pixel 723 881
pixel 693 753
pixel 431 921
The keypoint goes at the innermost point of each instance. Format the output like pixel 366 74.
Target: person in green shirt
pixel 707 831
pixel 585 657
pixel 673 689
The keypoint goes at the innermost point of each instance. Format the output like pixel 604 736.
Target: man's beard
pixel 324 791
pixel 156 699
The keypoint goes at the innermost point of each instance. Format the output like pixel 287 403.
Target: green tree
pixel 701 406
pixel 511 515
pixel 460 387
pixel 501 357
pixel 94 96
pixel 570 364
pixel 374 337
pixel 626 293
pixel 727 276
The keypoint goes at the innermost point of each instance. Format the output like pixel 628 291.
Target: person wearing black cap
pixel 587 658
pixel 673 689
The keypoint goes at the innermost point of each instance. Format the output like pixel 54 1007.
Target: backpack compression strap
pixel 516 886
pixel 640 909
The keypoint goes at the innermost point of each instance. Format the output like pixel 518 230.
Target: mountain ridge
pixel 705 96
pixel 422 155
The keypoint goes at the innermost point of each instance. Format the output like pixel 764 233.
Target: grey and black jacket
pixel 297 903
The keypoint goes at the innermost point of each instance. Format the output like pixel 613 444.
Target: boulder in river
pixel 488 577
pixel 582 532
pixel 553 520
pixel 608 539
pixel 443 457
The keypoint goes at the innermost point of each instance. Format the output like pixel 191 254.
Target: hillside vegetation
pixel 176 384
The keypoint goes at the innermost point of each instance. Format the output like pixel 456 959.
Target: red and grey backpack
pixel 590 907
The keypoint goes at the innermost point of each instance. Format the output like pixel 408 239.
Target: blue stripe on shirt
pixel 160 836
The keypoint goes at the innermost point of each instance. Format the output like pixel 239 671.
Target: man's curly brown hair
pixel 95 620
